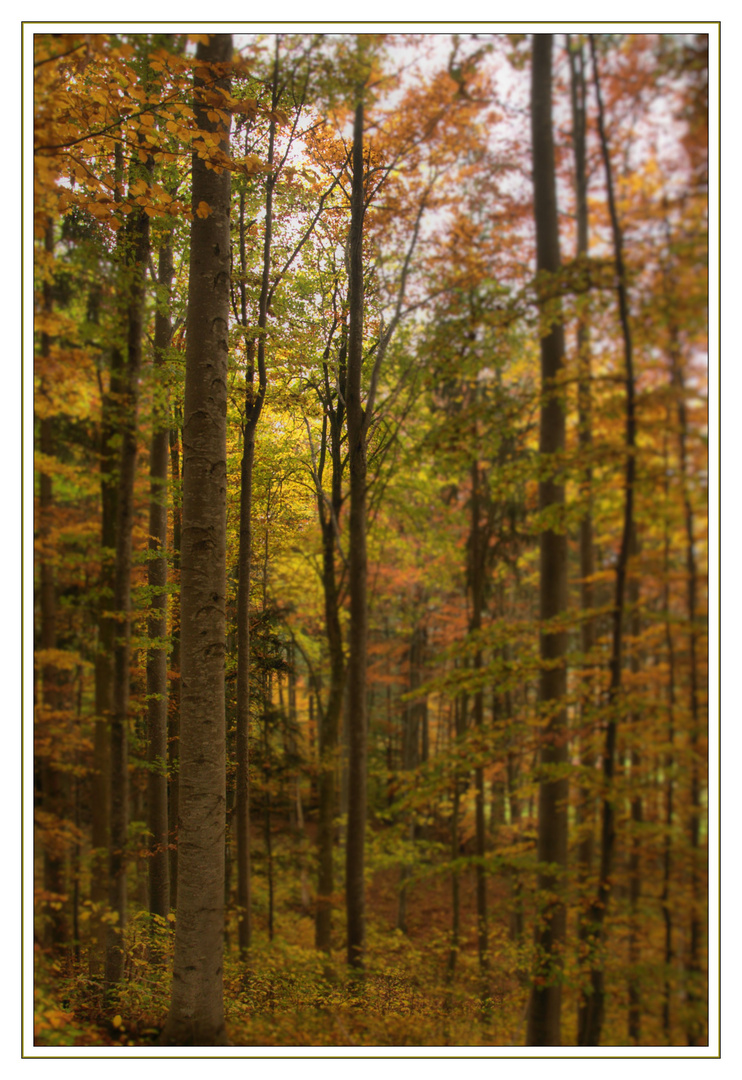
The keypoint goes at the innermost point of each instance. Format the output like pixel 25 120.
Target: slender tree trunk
pixel 585 810
pixel 593 1002
pixel 136 241
pixel 196 1016
pixel 51 698
pixel 100 785
pixel 410 758
pixel 157 691
pixel 254 399
pixel 669 767
pixel 173 746
pixel 477 570
pixel 637 817
pixel 242 786
pixel 460 712
pixel 544 1013
pixel 516 887
pixel 357 633
pixel 696 1033
pixel 330 718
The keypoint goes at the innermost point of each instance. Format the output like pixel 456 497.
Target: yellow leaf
pixel 203 209
pixel 116 1021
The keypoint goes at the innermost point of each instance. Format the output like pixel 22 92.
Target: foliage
pixel 453 317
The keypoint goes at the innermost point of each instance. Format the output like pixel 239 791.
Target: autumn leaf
pixel 203 209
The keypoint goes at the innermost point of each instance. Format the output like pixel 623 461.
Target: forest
pixel 371 551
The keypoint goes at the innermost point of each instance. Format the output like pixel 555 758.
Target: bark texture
pixel 135 254
pixel 196 1016
pixel 357 634
pixel 329 726
pixel 592 1006
pixel 157 696
pixel 254 398
pixel 544 1013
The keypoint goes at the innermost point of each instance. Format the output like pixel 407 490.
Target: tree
pixel 196 1015
pixel 357 418
pixel 134 254
pixel 545 1005
pixel 157 706
pixel 591 1019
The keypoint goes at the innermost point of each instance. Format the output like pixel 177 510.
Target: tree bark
pixel 668 763
pixel 173 742
pixel 357 633
pixel 254 399
pixel 637 816
pixel 196 1015
pixel 157 691
pixel 544 1013
pixel 593 1002
pixel 695 1033
pixel 330 718
pixel 477 571
pixel 51 697
pixel 136 251
pixel 585 810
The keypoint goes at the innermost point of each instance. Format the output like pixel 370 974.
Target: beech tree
pixel 545 1005
pixel 196 1015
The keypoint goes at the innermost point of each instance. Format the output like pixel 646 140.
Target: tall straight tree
pixel 358 630
pixel 254 398
pixel 196 1015
pixel 544 1013
pixel 135 250
pixel 157 697
pixel 592 1006
pixel 585 815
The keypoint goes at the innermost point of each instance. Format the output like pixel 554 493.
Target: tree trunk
pixel 136 241
pixel 477 572
pixel 357 633
pixel 585 809
pixel 254 399
pixel 157 695
pixel 637 817
pixel 410 760
pixel 100 786
pixel 593 1002
pixel 544 1013
pixel 52 780
pixel 173 745
pixel 196 1016
pixel 330 718
pixel 696 1033
pixel 460 713
pixel 669 767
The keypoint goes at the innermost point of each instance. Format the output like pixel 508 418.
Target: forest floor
pixel 289 995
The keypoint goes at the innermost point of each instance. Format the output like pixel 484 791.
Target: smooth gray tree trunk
pixel 196 1016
